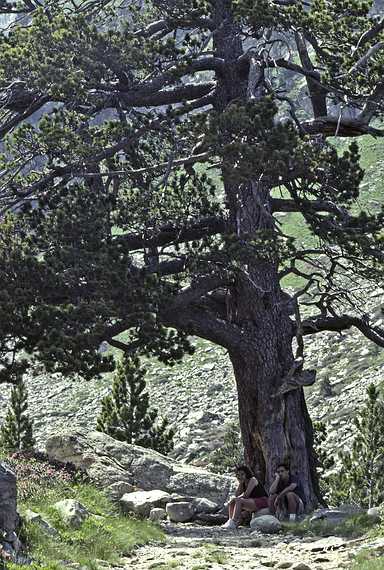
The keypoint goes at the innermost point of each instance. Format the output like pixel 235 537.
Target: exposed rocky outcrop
pixel 106 461
pixel 199 394
pixel 8 499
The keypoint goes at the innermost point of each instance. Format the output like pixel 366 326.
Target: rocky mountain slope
pixel 199 394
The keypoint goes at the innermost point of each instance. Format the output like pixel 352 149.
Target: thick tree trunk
pixel 274 427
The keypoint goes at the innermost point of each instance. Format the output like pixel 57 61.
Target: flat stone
pixel 324 544
pixel 180 512
pixel 202 505
pixel 142 502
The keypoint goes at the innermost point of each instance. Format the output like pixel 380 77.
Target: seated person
pixel 250 496
pixel 286 494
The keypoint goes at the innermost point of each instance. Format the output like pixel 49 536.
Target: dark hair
pixel 285 465
pixel 245 470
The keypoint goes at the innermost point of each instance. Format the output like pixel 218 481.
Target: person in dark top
pixel 250 496
pixel 286 494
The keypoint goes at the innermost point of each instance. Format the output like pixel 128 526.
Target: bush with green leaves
pixel 17 431
pixel 126 414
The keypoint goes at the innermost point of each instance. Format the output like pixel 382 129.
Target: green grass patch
pixel 368 560
pixel 352 527
pixel 105 535
pixel 213 555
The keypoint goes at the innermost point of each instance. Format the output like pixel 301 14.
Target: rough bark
pixel 274 427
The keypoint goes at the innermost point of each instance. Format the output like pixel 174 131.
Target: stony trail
pixel 191 547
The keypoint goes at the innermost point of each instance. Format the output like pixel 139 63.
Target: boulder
pixel 118 489
pixel 107 461
pixel 71 512
pixel 261 513
pixel 157 515
pixel 141 502
pixel 8 509
pixel 37 519
pixel 374 514
pixel 202 505
pixel 267 524
pixel 180 512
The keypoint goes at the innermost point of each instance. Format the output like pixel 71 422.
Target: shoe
pixel 292 518
pixel 230 524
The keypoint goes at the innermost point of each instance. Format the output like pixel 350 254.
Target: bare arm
pixel 252 483
pixel 273 489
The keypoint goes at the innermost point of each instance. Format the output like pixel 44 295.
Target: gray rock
pixel 301 566
pixel 374 514
pixel 8 493
pixel 108 461
pixel 141 502
pixel 211 519
pixel 261 513
pixel 71 512
pixel 118 489
pixel 332 516
pixel 324 544
pixel 202 505
pixel 267 524
pixel 180 512
pixel 157 515
pixel 37 519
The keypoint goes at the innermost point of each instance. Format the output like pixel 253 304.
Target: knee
pixel 291 496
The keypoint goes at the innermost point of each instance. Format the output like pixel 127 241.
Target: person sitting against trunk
pixel 286 495
pixel 250 496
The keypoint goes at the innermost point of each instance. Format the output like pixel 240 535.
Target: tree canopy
pixel 147 150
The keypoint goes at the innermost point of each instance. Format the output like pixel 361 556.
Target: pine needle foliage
pixel 126 414
pixel 16 434
pixel 230 453
pixel 362 472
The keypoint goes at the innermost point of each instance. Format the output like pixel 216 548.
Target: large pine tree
pixel 126 414
pixel 163 143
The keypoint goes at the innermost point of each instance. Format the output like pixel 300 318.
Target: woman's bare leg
pixel 243 505
pixel 231 508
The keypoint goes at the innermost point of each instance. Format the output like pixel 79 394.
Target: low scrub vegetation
pixel 106 535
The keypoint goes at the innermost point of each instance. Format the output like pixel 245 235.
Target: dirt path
pixel 191 547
